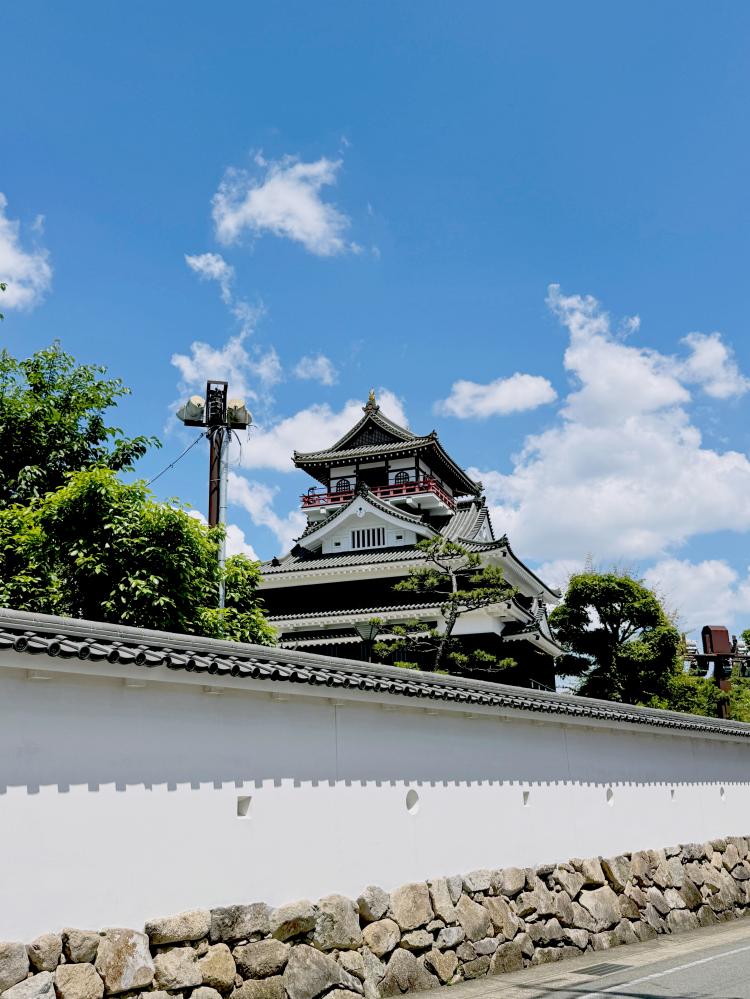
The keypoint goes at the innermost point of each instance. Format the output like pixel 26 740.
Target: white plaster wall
pixel 119 804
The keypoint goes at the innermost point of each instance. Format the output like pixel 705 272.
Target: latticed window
pixel 400 478
pixel 369 537
pixel 343 486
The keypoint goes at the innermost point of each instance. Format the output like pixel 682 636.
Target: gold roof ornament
pixel 371 402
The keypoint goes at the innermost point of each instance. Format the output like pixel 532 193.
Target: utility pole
pixel 220 416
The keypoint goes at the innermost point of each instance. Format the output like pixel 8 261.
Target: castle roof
pixel 375 436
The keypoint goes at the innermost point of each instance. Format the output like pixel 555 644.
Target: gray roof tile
pixel 140 648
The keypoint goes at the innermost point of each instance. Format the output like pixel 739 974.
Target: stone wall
pixel 416 937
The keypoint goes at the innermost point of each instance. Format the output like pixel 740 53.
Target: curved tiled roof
pixel 373 414
pixel 302 559
pixel 69 638
pixel 363 492
pixel 401 608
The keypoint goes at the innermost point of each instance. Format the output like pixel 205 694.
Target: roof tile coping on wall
pixel 32 633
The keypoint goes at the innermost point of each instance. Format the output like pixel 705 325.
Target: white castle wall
pixel 118 802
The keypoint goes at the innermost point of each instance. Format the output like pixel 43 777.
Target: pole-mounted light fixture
pixel 220 416
pixel 368 631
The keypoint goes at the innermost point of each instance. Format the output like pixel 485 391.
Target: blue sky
pixel 388 192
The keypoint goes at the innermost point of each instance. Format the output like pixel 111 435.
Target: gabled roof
pixel 468 520
pixel 375 436
pixel 364 497
pixel 372 420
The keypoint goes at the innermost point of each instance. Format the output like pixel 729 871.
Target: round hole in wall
pixel 412 802
pixel 610 796
pixel 526 796
pixel 722 793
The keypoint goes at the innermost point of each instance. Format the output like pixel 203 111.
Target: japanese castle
pixel 382 489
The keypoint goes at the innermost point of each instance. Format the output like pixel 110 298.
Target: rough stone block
pixel 681 919
pixel 478 880
pixel 571 881
pixel 503 918
pixel 45 952
pixel 202 992
pixel 373 903
pixel 353 962
pixel 180 928
pixel 382 937
pixel 411 907
pixel 217 967
pixel 510 881
pixel 444 964
pixel 477 968
pixel 578 938
pixel 293 919
pixel 78 981
pixel 603 906
pixel 14 964
pixel 450 937
pixel 546 955
pixel 41 986
pixel 261 959
pixel 177 969
pixel 417 940
pixel 508 957
pixel 239 922
pixel 455 887
pixel 617 871
pixel 440 898
pixel 80 946
pixel 266 988
pixel 486 947
pixel 309 972
pixel 404 973
pixel 123 961
pixel 337 924
pixel 474 918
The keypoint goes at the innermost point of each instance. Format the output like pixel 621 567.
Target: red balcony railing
pixel 321 497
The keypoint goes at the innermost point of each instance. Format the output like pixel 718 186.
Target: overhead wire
pixel 177 459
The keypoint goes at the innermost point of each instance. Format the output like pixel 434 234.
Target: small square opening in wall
pixel 243 806
pixel 526 796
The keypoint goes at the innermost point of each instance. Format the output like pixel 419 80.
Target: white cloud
pixel 233 362
pixel 285 201
pixel 310 429
pixel 318 368
pixel 27 273
pixel 213 267
pixel 707 592
pixel 623 472
pixel 711 364
pixel 515 394
pixel 237 543
pixel 257 499
pixel 230 362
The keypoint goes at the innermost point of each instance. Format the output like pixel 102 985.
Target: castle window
pixel 368 537
pixel 343 486
pixel 400 478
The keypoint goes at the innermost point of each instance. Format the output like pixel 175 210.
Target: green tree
pixel 618 638
pixel 101 549
pixel 456 576
pixel 52 421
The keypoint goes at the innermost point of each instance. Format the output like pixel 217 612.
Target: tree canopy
pixel 618 638
pixel 77 541
pixel 52 421
pixel 454 575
